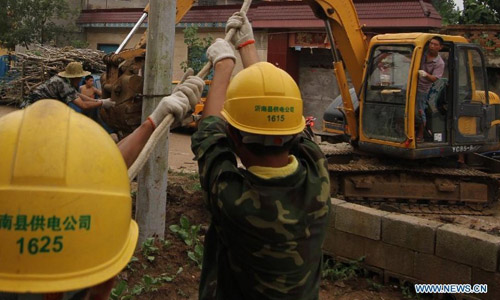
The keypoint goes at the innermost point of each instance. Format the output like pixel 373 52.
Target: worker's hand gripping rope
pixel 220 50
pixel 167 120
pixel 184 98
pixel 107 103
pixel 244 33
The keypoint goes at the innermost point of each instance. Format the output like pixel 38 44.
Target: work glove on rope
pixel 107 103
pixel 220 50
pixel 183 99
pixel 244 33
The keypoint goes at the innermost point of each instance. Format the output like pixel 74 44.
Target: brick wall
pixel 488 36
pixel 414 249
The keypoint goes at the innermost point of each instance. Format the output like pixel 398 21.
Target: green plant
pixel 189 234
pixel 196 255
pixel 79 44
pixel 147 284
pixel 497 51
pixel 118 291
pixel 407 290
pixel 196 49
pixel 333 270
pixel 489 43
pixel 132 260
pixel 149 250
pixel 375 286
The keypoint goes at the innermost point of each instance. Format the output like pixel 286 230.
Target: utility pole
pixel 151 198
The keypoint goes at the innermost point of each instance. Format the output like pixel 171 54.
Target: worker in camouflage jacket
pixel 64 87
pixel 269 218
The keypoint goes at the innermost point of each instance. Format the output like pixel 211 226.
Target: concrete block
pixel 389 257
pixel 410 232
pixel 360 220
pixel 396 278
pixel 492 279
pixel 432 269
pixel 468 246
pixel 338 243
pixel 335 202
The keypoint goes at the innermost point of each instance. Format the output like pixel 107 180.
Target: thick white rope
pixel 167 122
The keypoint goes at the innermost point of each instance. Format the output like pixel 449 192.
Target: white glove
pixel 244 32
pixel 219 51
pixel 185 96
pixel 107 103
pixel 422 73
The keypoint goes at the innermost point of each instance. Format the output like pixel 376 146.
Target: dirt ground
pixel 184 198
pixel 6 109
pixel 167 269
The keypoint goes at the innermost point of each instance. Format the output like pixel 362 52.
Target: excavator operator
pixel 432 69
pixel 269 218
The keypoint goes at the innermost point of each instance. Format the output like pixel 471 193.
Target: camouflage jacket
pixel 57 88
pixel 266 234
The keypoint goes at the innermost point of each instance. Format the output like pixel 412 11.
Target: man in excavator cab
pixel 431 70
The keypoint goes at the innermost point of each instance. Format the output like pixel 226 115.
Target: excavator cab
pixel 459 110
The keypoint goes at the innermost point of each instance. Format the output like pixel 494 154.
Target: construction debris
pixel 32 68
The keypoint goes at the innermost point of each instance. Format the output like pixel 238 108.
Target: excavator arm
pixel 350 40
pixel 345 34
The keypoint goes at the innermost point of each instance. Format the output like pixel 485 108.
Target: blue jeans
pixel 94 115
pixel 421 106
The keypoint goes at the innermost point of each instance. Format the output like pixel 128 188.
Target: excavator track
pixel 426 187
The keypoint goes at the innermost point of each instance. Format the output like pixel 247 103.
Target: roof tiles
pixel 372 13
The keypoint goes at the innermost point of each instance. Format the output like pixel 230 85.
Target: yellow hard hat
pixel 263 99
pixel 65 206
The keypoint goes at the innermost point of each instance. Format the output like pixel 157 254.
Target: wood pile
pixel 37 65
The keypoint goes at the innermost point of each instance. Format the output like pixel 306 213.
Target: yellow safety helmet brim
pixel 65 205
pixel 73 281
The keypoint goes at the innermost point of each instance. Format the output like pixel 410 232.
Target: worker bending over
pixel 268 219
pixel 64 87
pixel 65 221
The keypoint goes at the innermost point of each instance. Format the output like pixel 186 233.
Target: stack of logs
pixel 37 65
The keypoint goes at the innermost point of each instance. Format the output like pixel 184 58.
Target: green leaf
pixel 179 270
pixel 174 228
pixel 198 249
pixel 150 258
pixel 137 289
pixel 184 222
pixel 192 256
pixel 118 290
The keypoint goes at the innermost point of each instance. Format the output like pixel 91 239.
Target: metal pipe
pixel 335 55
pixel 129 36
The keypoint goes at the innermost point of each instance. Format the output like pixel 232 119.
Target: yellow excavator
pixel 123 80
pixel 377 117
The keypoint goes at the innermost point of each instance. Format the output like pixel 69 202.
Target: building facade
pixel 287 34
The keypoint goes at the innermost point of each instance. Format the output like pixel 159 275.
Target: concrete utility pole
pixel 151 198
